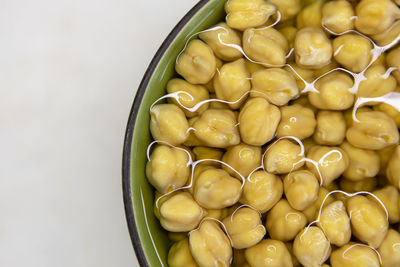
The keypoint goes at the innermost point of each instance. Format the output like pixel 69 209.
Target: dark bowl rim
pixel 126 156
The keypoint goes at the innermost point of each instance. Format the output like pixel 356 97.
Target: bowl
pixel 149 239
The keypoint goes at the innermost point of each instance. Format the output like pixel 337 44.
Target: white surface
pixel 68 74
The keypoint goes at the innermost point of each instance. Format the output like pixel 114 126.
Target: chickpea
pixel 390 111
pixel 301 189
pixel 290 34
pixel 179 255
pixel 243 14
pixel 262 191
pixel 310 16
pixel 393 168
pixel 368 220
pixel 366 184
pixel 354 254
pixel 232 83
pixel 393 60
pixel 332 162
pixel 283 156
pixel 168 168
pixel 331 66
pixel 180 213
pixel 348 115
pixel 389 36
pixel 374 17
pixel 217 128
pixel 197 63
pixel 168 123
pixel 253 67
pixel 363 163
pixel 190 96
pixel 337 16
pixel 283 222
pixel 258 121
pixel 216 189
pixel 352 51
pixel 177 236
pixel 335 223
pixel 278 86
pixel 333 92
pixel 245 228
pixel 312 48
pixel 210 246
pixel 287 8
pixel 377 82
pixel 389 195
pixel 312 211
pixel 311 246
pixel 269 252
pixel 374 130
pixel 203 152
pixel 243 158
pixel 297 121
pixel 192 140
pixel 295 262
pixel 266 46
pixel 384 157
pixel 221 38
pixel 305 74
pixel 218 214
pixel 390 249
pixel 331 128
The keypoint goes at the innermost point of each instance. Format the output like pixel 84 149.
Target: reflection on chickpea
pixel 313 210
pixel 179 255
pixel 378 83
pixel 262 191
pixel 232 82
pixel 168 123
pixel 297 121
pixel 210 246
pixel 390 249
pixel 283 156
pixel 278 86
pixel 287 8
pixel 301 189
pixel 354 254
pixel 368 220
pixel 337 16
pixel 331 128
pixel 312 48
pixel 197 63
pixel 283 222
pixel 393 168
pixel 258 121
pixel 266 46
pixel 269 252
pixel 243 158
pixel 389 195
pixel 310 15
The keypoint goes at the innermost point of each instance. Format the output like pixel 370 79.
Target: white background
pixel 69 70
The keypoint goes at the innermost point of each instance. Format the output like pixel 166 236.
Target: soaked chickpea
pixel 287 8
pixel 311 15
pixel 179 255
pixel 390 249
pixel 290 34
pixel 283 222
pixel 297 121
pixel 389 195
pixel 262 191
pixel 390 111
pixel 338 15
pixel 295 262
pixel 203 152
pixel 218 214
pixel 312 211
pixel 393 168
pixel 393 60
pixel 301 189
pixel 354 254
pixel 283 156
pixel 243 158
pixel 269 252
pixel 389 36
pixel 378 83
pixel 331 128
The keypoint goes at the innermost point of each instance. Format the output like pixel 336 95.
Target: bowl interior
pixel 149 239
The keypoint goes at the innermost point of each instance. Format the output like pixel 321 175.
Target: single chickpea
pixel 287 8
pixel 301 189
pixel 266 46
pixel 283 156
pixel 311 246
pixel 393 60
pixel 374 17
pixel 312 48
pixel 362 163
pixel 168 168
pixel 278 86
pixel 180 213
pixel 312 211
pixel 389 195
pixel 331 162
pixel 373 130
pixel 245 228
pixel 333 92
pixel 203 152
pixel 232 83
pixel 390 111
pixel 217 214
pixel 169 124
pixel 283 222
pixel 179 255
pixel 311 15
pixel 366 184
pixel 216 189
pixel 217 128
pixel 390 249
pixel 269 252
pixel 378 83
pixel 384 157
pixel 368 220
pixel 262 191
pixel 243 158
pixel 354 254
pixel 331 128
pixel 210 246
pixel 189 95
pixel 224 41
pixel 337 16
pixel 197 63
pixel 389 36
pixel 296 121
pixel 258 120
pixel 393 168
pixel 243 14
pixel 290 34
pixel 335 223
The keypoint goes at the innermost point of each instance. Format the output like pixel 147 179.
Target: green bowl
pixel 149 239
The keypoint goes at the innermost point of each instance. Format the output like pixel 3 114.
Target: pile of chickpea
pixel 278 145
